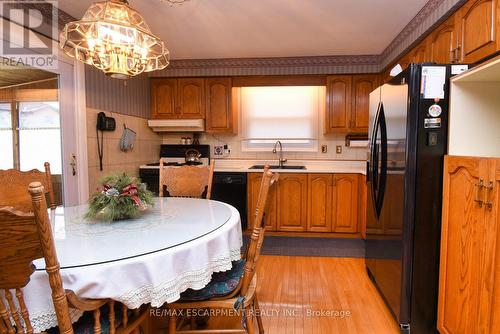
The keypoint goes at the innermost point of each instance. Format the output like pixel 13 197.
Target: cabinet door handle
pixel 457 53
pixel 489 190
pixel 479 186
pixel 453 56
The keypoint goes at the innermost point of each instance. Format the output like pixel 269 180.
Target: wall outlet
pixel 324 148
pixel 338 149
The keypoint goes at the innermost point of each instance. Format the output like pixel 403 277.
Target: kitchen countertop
pixel 312 166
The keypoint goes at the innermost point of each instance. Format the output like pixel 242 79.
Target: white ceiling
pixel 204 29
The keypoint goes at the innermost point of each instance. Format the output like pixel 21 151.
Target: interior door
pixel 73 151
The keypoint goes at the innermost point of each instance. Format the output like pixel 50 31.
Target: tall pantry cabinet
pixel 469 286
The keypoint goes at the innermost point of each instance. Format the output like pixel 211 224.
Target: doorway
pixel 38 125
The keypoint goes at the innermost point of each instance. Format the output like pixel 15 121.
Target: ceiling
pixel 208 29
pixel 11 75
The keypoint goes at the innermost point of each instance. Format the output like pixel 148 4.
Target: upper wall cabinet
pixel 177 98
pixel 220 117
pixel 191 98
pixel 478 29
pixel 443 43
pixel 420 54
pixel 163 98
pixel 347 105
pixel 362 86
pixel 338 103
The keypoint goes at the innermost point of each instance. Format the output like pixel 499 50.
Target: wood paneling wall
pixel 127 97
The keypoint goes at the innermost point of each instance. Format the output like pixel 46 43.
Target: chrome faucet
pixel 281 160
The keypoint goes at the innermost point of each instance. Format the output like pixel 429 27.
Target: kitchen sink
pixel 278 167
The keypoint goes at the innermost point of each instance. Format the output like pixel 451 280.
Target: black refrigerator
pixel 408 125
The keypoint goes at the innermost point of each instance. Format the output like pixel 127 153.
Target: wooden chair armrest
pixel 84 304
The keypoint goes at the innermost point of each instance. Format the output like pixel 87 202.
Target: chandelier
pixel 114 38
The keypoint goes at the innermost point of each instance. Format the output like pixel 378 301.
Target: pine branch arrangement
pixel 122 197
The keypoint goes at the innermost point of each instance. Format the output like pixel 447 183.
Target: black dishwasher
pixel 231 188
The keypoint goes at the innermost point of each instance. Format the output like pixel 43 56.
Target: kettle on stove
pixel 193 156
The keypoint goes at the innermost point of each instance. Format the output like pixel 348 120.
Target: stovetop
pixel 175 164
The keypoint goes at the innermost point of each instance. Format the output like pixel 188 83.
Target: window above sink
pixel 289 114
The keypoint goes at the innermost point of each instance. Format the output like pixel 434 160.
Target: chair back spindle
pixel 259 228
pixel 25 238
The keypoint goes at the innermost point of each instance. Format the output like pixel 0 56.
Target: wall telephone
pixel 104 123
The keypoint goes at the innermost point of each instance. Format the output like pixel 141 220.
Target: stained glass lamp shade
pixel 114 38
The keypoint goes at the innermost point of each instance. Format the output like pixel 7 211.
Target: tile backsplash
pixel 348 153
pixel 145 150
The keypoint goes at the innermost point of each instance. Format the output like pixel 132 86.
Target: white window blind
pixel 289 114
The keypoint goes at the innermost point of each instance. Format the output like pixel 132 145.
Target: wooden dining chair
pixel 236 288
pixel 16 183
pixel 186 181
pixel 27 236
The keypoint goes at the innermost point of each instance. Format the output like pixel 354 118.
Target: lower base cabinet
pixel 292 202
pixel 304 202
pixel 345 203
pixel 253 187
pixel 469 282
pixel 319 200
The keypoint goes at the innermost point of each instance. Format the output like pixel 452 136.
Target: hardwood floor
pixel 294 291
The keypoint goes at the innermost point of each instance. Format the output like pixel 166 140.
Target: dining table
pixel 175 245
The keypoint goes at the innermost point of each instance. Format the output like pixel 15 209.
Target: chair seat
pixel 222 284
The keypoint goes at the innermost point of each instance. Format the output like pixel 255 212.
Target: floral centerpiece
pixel 122 197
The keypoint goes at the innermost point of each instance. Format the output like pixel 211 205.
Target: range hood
pixel 177 125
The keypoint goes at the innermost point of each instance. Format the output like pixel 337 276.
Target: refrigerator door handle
pixel 383 161
pixel 373 164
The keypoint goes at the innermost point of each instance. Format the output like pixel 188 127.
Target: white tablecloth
pixel 175 246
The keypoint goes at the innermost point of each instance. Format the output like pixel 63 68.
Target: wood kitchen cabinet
pixel 190 98
pixel 420 53
pixel 319 202
pixel 362 205
pixel 362 86
pixel 443 43
pixel 292 202
pixel 163 98
pixel 319 199
pixel 347 106
pixel 220 116
pixel 338 103
pixel 478 27
pixel 177 98
pixel 345 203
pixel 469 287
pixel 253 187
